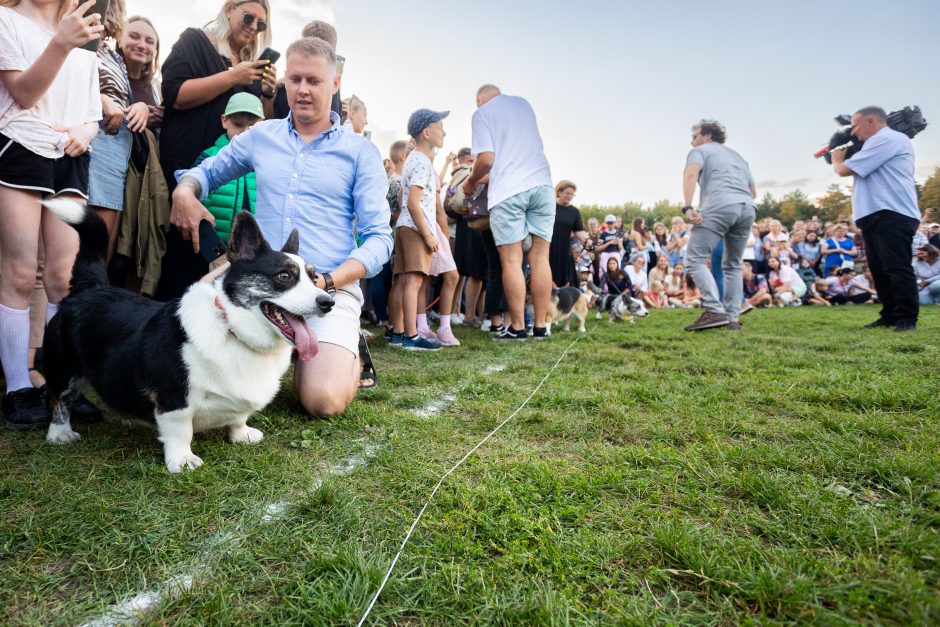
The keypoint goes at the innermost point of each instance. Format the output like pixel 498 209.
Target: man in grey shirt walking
pixel 726 212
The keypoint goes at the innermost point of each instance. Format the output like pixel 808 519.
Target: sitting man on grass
pixel 318 177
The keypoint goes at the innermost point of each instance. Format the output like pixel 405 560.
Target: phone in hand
pixel 211 246
pixel 271 56
pixel 101 8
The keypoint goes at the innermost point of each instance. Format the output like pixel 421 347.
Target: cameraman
pixel 884 206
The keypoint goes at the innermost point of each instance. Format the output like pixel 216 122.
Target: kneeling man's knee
pixel 326 402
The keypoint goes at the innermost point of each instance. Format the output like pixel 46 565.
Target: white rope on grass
pixel 448 473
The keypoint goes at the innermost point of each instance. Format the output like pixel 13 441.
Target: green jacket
pixel 232 197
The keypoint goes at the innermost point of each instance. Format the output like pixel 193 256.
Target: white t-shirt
pixel 418 171
pixel 73 98
pixel 638 279
pixel 749 248
pixel 506 126
pixel 787 274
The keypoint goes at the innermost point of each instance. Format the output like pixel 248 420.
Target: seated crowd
pixel 814 262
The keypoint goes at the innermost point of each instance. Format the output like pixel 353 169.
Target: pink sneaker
pixel 446 337
pixel 428 335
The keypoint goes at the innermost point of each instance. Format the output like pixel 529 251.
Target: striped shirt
pixel 112 76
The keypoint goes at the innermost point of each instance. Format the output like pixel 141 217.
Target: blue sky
pixel 617 85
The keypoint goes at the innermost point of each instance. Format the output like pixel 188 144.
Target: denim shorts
pixel 108 169
pixel 530 213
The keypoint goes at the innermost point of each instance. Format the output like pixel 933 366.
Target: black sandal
pixel 368 380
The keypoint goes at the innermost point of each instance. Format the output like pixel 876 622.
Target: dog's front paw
pixel 186 461
pixel 62 434
pixel 245 435
pixel 582 330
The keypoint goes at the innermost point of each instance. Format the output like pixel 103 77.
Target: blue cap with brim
pixel 422 118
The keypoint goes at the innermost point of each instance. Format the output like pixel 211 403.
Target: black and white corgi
pixel 620 307
pixel 207 360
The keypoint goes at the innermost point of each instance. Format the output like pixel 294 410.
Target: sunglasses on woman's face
pixel 248 18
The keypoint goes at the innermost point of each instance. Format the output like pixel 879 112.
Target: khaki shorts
pixel 411 255
pixel 341 325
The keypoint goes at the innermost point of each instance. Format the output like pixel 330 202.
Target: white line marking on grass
pixel 448 473
pixel 133 610
pixel 440 404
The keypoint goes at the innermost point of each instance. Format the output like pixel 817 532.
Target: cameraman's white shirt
pixel 884 176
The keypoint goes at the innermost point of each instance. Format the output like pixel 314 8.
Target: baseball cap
pixel 933 225
pixel 422 118
pixel 243 102
pixel 610 218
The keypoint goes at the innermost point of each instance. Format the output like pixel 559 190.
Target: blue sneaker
pixel 418 343
pixel 396 339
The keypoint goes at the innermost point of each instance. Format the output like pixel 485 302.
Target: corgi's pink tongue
pixel 305 340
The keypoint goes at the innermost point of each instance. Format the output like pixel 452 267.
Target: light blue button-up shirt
pixel 319 188
pixel 884 176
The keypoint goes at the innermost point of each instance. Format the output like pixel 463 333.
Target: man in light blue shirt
pixel 884 206
pixel 315 176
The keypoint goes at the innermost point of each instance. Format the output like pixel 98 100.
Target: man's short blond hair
pixel 313 47
pixel 321 29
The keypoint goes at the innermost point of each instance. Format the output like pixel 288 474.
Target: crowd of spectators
pixel 814 262
pixel 126 128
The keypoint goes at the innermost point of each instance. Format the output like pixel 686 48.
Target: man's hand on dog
pixel 187 213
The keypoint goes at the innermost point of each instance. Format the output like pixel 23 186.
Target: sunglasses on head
pixel 248 18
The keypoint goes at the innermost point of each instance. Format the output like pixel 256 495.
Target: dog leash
pixel 449 472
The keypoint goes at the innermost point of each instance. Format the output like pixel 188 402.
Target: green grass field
pixel 787 473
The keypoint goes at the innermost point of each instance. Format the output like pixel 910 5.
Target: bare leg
pixel 541 282
pixel 448 288
pixel 412 283
pixel 395 315
pixel 327 383
pixel 510 256
pixel 112 220
pixel 61 245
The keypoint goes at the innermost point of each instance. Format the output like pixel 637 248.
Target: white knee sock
pixel 51 310
pixel 14 347
pixel 423 323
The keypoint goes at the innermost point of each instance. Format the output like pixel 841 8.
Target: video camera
pixel 908 120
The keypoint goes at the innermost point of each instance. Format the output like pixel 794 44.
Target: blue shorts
pixel 530 213
pixel 108 168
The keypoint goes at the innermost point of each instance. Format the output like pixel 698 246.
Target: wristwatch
pixel 687 209
pixel 328 283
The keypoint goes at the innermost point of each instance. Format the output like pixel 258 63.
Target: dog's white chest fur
pixel 228 380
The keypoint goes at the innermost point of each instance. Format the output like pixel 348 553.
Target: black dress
pixel 185 134
pixel 567 220
pixel 469 253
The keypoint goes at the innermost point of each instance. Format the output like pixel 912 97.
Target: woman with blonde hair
pixel 111 148
pixel 206 67
pixel 568 224
pixel 139 47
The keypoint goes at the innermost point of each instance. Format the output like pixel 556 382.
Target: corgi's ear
pixel 292 245
pixel 246 240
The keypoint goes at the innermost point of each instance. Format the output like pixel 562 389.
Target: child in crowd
pixel 656 298
pixel 241 113
pixel 415 236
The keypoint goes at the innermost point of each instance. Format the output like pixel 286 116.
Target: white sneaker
pixel 486 325
pixel 433 315
pixel 456 319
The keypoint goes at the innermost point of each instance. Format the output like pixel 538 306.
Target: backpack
pixel 454 197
